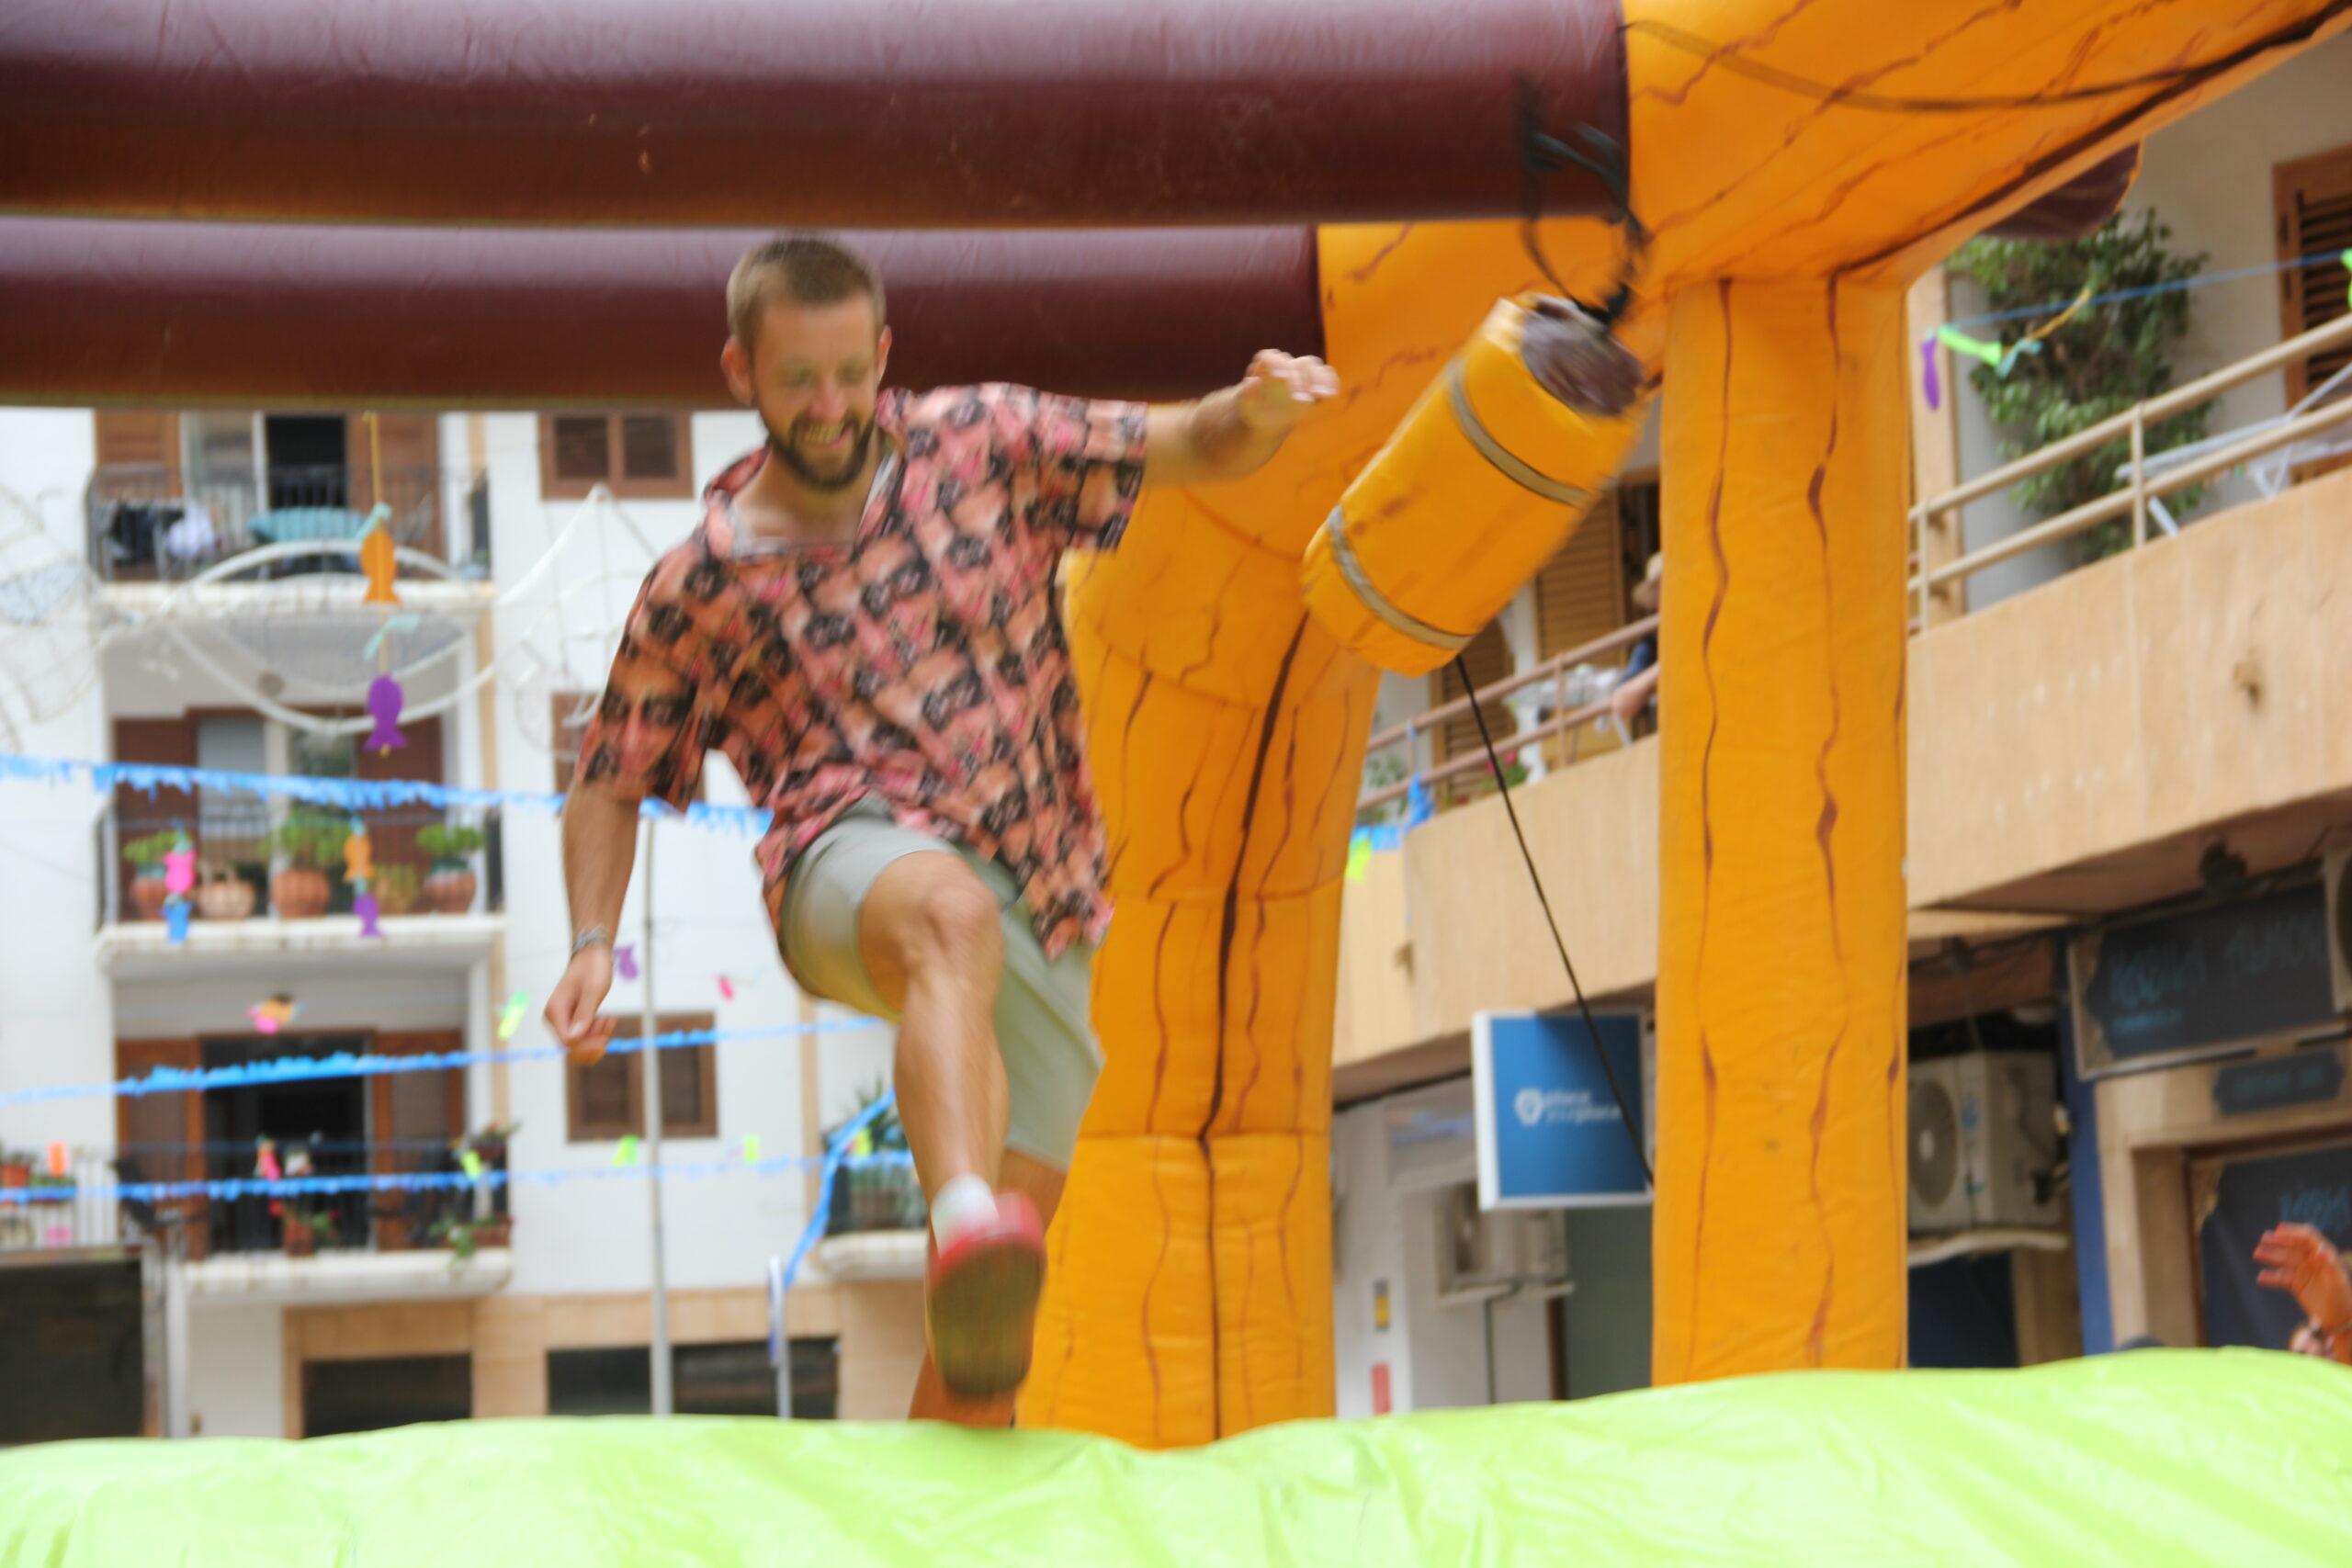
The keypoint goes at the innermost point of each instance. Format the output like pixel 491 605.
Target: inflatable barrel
pixel 1511 445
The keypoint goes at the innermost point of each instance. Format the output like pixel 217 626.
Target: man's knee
pixel 938 912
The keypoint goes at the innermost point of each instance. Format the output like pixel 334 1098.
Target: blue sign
pixel 1550 1135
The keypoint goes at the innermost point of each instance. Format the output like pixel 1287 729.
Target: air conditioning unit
pixel 1983 1141
pixel 1484 1250
pixel 2339 926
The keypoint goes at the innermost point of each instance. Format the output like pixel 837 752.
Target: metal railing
pixel 146 523
pixel 1560 720
pixel 46 1210
pixel 2131 500
pixel 238 861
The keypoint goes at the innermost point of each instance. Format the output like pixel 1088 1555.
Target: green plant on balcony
pixel 397 887
pixel 310 841
pixel 465 1235
pixel 305 1230
pixel 876 1196
pixel 2094 365
pixel 146 854
pixel 450 889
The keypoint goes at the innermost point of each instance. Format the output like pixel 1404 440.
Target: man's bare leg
pixel 1042 1185
pixel 929 936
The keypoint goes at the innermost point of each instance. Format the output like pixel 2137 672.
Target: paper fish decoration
pixel 625 960
pixel 384 706
pixel 471 1162
pixel 273 1015
pixel 624 1152
pixel 179 868
pixel 358 856
pixel 1418 808
pixel 1359 855
pixel 57 1160
pixel 511 1016
pixel 1931 384
pixel 751 1148
pixel 378 557
pixel 176 913
pixel 265 1164
pixel 727 988
pixel 364 905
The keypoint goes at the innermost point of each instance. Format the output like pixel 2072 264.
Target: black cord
pixel 1542 154
pixel 1731 60
pixel 1625 1112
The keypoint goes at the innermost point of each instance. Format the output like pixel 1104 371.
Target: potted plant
pixel 147 889
pixel 450 889
pixel 873 1197
pixel 15 1169
pixel 305 1230
pixel 311 840
pixel 464 1235
pixel 395 887
pixel 224 895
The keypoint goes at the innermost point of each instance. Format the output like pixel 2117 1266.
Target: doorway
pixel 322 1121
pixel 307 461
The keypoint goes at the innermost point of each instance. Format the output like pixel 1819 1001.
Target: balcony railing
pixel 1560 719
pixel 246 870
pixel 146 524
pixel 2314 429
pixel 381 1217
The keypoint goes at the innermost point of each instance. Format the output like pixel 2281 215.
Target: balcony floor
pixel 266 1279
pixel 143 950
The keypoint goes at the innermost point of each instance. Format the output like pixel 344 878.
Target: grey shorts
pixel 1043 1027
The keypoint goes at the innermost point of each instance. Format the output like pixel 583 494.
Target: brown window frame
pixel 577 1129
pixel 553 487
pixel 2305 292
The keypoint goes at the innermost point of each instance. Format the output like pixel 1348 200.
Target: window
pixel 732 1379
pixel 642 455
pixel 395 1391
pixel 2314 201
pixel 606 1102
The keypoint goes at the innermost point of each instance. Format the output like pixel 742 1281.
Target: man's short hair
pixel 806 269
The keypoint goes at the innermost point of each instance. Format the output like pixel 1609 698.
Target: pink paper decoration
pixel 727 988
pixel 179 869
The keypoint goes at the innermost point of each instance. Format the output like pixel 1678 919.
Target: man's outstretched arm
pixel 1231 434
pixel 599 850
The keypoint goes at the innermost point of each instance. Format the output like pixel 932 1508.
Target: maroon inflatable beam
pixel 242 315
pixel 868 113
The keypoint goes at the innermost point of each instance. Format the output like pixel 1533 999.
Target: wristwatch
pixel 590 938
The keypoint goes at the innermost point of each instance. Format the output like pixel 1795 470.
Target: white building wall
pixel 237 1370
pixel 55 1020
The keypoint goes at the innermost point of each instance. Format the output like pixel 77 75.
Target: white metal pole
pixel 652 1066
pixel 780 1339
pixel 178 1422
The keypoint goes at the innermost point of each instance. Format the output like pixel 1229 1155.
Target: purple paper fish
pixel 364 905
pixel 384 706
pixel 176 919
pixel 1934 386
pixel 625 960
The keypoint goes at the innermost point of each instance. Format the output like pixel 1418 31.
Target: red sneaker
pixel 980 1301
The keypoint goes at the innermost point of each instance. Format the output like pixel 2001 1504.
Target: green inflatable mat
pixel 2237 1458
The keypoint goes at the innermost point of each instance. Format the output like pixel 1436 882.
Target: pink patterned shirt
pixel 921 664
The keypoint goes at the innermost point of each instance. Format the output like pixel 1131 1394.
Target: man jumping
pixel 864 624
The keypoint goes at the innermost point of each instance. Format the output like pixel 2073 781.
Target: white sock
pixel 963 1202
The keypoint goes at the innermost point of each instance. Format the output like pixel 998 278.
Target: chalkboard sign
pixel 2202 984
pixel 2239 1200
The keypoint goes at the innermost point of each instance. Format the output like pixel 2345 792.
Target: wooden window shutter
pixel 1488 656
pixel 1579 592
pixel 2315 205
pixel 160 1137
pixel 405 1109
pixel 144 438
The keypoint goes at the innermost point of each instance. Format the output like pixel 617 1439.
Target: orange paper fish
pixel 378 559
pixel 359 859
